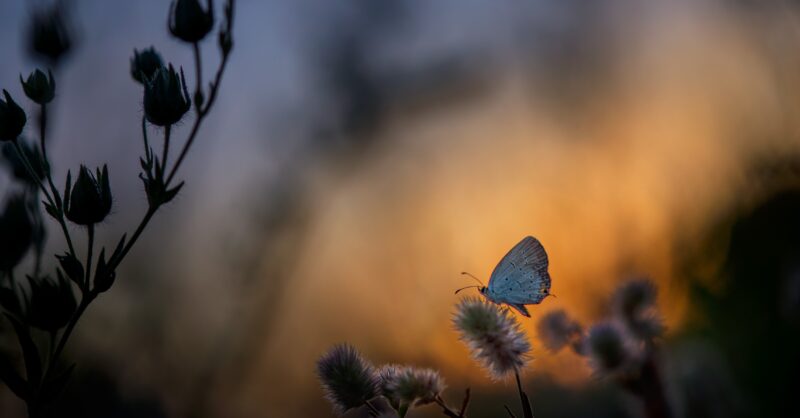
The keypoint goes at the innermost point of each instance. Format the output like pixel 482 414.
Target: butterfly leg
pixel 520 308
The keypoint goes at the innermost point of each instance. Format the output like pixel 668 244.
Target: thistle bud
pixel 12 118
pixel 16 232
pixel 89 201
pixel 188 21
pixel 145 64
pixel 348 379
pixel 51 303
pixel 40 88
pixel 49 36
pixel 166 99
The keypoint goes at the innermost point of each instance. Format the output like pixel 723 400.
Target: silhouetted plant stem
pixel 32 173
pixel 199 70
pixel 510 414
pixel 527 411
pixel 164 154
pixel 649 388
pixel 86 299
pixel 201 114
pixel 372 409
pixel 446 410
pixel 89 251
pixel 142 224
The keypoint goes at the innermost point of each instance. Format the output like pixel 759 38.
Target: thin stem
pixel 373 410
pixel 199 69
pixel 86 299
pixel 89 252
pixel 142 224
pixel 527 411
pixel 465 403
pixel 165 152
pixel 144 136
pixel 510 414
pixel 446 409
pixel 201 114
pixel 32 173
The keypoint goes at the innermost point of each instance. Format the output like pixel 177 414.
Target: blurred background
pixel 363 153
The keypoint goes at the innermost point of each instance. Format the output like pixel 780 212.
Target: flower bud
pixel 40 88
pixel 89 201
pixel 51 303
pixel 16 232
pixel 189 22
pixel 348 379
pixel 166 99
pixel 49 36
pixel 12 118
pixel 145 64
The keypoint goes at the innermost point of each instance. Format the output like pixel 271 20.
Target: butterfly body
pixel 521 277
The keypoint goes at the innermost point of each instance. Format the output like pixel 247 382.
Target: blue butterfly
pixel 520 278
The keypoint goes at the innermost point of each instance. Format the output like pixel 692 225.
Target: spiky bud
pixel 349 381
pixel 12 118
pixel 40 87
pixel 49 35
pixel 166 98
pixel 145 64
pixel 189 22
pixel 89 201
pixel 493 335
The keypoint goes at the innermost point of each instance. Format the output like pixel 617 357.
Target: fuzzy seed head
pixel 404 385
pixel 493 335
pixel 557 329
pixel 609 350
pixel 347 378
pixel 634 304
pixel 633 297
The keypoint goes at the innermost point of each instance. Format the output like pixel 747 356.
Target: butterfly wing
pixel 521 277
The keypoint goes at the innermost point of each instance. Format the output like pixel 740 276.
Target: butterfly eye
pixel 544 291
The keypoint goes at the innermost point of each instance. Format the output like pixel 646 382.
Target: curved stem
pixel 201 114
pixel 142 224
pixel 32 173
pixel 446 409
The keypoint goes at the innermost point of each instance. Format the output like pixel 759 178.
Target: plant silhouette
pixel 42 308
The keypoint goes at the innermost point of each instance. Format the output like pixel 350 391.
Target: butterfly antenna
pixel 464 288
pixel 470 275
